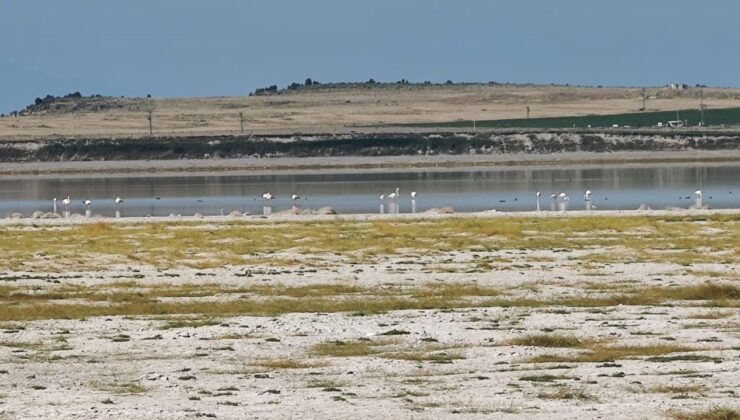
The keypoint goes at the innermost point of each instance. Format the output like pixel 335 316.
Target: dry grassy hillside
pixel 336 109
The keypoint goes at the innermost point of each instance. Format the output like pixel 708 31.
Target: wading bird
pixel 699 197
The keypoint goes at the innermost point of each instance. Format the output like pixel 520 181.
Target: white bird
pixel 394 195
pixel 268 196
pixel 381 197
pixel 66 202
pixel 538 194
pixel 118 200
pixel 587 195
pixel 413 195
pixel 563 197
pixel 295 197
pixel 699 196
pixel 54 200
pixel 87 203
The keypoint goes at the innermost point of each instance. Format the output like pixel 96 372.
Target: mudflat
pixel 527 315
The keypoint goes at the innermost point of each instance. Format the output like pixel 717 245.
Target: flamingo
pixel 563 197
pixel 394 195
pixel 66 202
pixel 413 195
pixel 295 197
pixel 118 200
pixel 587 195
pixel 87 203
pixel 268 196
pixel 54 200
pixel 381 197
pixel 698 199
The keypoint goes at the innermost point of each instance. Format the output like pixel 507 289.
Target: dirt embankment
pixel 414 144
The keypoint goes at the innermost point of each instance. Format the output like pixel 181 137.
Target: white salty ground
pixel 76 370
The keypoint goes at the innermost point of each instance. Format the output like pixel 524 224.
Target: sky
pixel 170 48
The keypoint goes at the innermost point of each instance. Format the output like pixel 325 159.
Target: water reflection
pixel 617 187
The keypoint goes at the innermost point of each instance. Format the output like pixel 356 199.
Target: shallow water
pixel 465 190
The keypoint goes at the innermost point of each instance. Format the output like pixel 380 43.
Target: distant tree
pixel 449 82
pixel 371 82
pixel 309 82
pixel 148 95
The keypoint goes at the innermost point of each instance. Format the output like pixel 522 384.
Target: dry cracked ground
pixel 632 316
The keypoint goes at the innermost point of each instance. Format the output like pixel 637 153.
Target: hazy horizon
pixel 188 48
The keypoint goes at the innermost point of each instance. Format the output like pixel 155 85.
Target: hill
pixel 340 108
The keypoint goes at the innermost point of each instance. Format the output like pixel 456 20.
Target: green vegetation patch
pixel 693 117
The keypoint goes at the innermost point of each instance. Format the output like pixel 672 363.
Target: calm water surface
pixel 503 189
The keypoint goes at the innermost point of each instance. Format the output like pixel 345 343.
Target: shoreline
pixel 363 217
pixel 357 163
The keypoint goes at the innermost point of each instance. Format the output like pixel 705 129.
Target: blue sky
pixel 231 47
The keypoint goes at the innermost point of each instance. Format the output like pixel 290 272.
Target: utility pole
pixel 527 111
pixel 151 130
pixel 241 121
pixel 643 100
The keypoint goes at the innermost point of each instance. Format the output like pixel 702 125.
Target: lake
pixel 465 190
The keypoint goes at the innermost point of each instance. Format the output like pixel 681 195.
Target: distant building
pixel 678 86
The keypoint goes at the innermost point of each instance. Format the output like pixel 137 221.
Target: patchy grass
pixel 679 389
pixel 600 353
pixel 388 349
pixel 424 356
pixel 288 364
pixel 715 413
pixel 544 378
pixel 344 299
pixel 171 244
pixel 712 315
pixel 565 393
pixel 551 340
pixel 120 388
pixel 360 348
pixel 190 323
pixel 21 345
